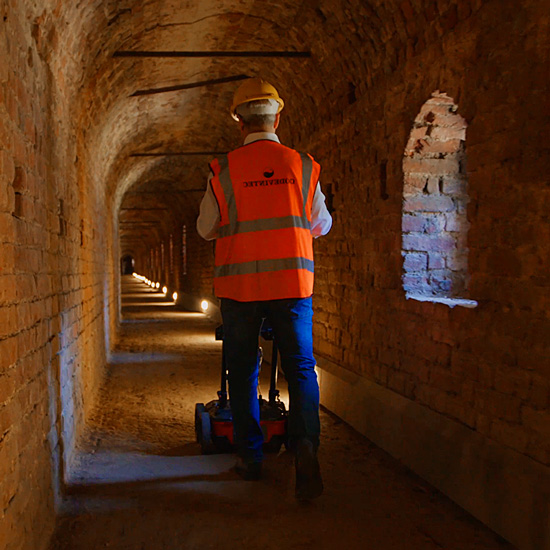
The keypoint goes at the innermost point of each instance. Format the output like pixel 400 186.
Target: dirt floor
pixel 140 482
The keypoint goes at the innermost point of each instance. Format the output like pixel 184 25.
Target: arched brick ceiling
pixel 352 44
pixel 156 206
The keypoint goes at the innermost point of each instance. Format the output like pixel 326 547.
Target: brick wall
pixel 486 367
pixel 435 193
pixel 52 344
pixel 29 219
pixel 68 129
pixel 199 281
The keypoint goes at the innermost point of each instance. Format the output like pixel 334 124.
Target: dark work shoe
pixel 309 484
pixel 250 471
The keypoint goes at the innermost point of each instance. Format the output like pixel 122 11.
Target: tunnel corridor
pixel 430 120
pixel 139 480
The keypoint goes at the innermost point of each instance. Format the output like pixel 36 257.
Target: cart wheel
pixel 199 409
pixel 207 445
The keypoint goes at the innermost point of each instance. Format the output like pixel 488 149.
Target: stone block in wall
pixel 454 185
pixel 415 261
pixel 429 203
pixel 436 260
pixel 8 352
pixel 412 224
pixel 426 243
pixel 7 167
pixel 436 167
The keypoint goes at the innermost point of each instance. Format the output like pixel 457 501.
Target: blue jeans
pixel 292 322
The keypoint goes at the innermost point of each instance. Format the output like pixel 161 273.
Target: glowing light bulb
pixel 164 290
pixel 204 305
pixel 157 285
pixel 175 296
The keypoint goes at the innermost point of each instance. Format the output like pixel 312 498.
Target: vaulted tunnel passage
pixel 103 156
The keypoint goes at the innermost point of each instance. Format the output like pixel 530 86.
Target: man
pixel 264 205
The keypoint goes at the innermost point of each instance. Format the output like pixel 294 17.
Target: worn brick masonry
pixel 430 120
pixel 52 342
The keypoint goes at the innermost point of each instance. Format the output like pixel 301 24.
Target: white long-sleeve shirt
pixel 209 216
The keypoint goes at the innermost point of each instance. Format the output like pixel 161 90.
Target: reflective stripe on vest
pixel 307 169
pixel 256 225
pixel 227 186
pixel 246 268
pixel 263 225
pixel 261 266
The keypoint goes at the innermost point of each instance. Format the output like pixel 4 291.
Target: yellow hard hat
pixel 252 90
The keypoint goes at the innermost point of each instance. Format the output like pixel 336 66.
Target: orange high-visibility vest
pixel 264 249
